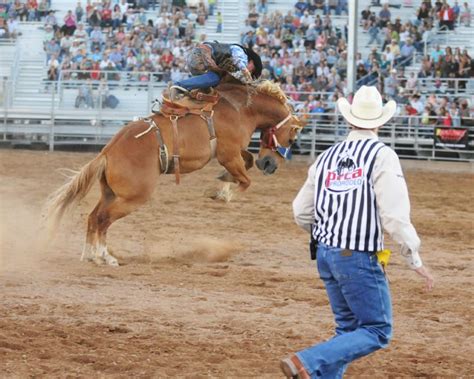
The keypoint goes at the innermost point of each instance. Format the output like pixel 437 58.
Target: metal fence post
pixel 313 142
pixel 98 125
pixel 51 128
pixel 150 96
pixel 393 134
pixel 5 106
pixel 98 134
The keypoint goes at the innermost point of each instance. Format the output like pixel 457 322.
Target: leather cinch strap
pixel 174 124
pixel 164 156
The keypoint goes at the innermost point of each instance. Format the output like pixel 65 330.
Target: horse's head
pixel 267 109
pixel 276 142
pixel 276 139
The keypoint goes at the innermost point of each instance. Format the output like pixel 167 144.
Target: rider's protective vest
pixel 222 55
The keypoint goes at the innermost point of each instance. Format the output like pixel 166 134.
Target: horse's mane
pixel 269 88
pixel 227 89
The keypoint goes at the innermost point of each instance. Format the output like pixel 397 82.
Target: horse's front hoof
pixel 111 261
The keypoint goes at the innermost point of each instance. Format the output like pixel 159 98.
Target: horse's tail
pixel 69 194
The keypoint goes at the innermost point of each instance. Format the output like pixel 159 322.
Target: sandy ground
pixel 208 289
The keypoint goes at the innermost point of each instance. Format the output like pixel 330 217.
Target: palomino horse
pixel 128 167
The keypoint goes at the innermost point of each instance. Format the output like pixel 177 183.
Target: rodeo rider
pixel 208 62
pixel 352 190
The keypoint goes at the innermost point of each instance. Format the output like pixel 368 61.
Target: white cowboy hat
pixel 367 110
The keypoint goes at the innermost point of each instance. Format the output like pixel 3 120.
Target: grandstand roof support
pixel 352 46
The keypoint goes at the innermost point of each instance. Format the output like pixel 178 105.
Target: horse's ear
pixel 299 123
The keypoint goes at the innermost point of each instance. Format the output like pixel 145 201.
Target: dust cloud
pixel 208 250
pixel 21 245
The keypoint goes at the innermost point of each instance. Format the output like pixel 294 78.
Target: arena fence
pixel 62 124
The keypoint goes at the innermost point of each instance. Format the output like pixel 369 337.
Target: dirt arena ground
pixel 208 289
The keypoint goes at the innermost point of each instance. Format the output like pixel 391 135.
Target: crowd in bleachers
pixel 122 39
pixel 302 49
pixel 306 53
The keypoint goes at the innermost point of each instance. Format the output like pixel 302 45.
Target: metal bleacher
pixel 43 112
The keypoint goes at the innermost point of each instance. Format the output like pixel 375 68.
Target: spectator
pixel 107 100
pixel 3 28
pixel 465 114
pixel 219 22
pixel 116 17
pixel 417 103
pixel 394 49
pixel 445 118
pixel 412 84
pixel 52 48
pixel 391 84
pixel 249 40
pixel 106 16
pixel 69 26
pixel 465 15
pixel 65 45
pixel 79 12
pixel 20 10
pixel 407 51
pixel 85 96
pixel 365 18
pixel 117 58
pixel 123 5
pixel 446 18
pixel 212 6
pixel 105 62
pixel 12 27
pixel 455 115
pixel 32 9
pixel 51 20
pixel 423 13
pixel 374 33
pixel 97 38
pixel 253 16
pixel 42 9
pixel 53 65
pixel 384 16
pixel 300 7
pixel 94 18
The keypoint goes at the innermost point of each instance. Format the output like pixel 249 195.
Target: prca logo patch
pixel 346 176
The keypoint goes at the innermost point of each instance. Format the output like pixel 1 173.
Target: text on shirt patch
pixel 345 177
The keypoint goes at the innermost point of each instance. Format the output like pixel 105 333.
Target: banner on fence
pixel 451 138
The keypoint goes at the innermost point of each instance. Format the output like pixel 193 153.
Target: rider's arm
pixel 239 57
pixel 391 194
pixel 303 205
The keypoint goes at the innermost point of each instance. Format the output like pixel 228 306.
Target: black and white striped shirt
pixel 345 206
pixel 385 181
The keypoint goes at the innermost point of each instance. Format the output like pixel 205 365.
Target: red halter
pixel 271 141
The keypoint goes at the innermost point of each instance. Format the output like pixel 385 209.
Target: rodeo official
pixel 355 188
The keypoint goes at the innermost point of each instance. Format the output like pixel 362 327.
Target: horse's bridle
pixel 272 141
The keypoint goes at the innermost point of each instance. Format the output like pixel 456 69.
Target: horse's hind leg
pixel 106 216
pixel 107 196
pixel 88 251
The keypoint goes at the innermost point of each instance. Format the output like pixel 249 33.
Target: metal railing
pixel 410 137
pixel 453 38
pixel 112 75
pixel 15 70
pixel 461 87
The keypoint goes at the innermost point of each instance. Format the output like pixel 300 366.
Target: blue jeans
pixel 360 300
pixel 209 79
